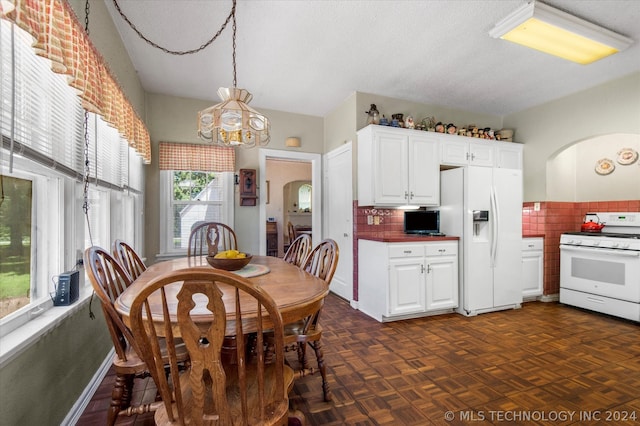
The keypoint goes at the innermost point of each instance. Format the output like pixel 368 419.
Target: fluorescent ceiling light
pixel 544 28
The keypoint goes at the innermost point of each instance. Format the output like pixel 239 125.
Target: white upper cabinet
pixel 508 155
pixel 462 151
pixel 397 167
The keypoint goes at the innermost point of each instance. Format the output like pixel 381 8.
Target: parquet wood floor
pixel 543 364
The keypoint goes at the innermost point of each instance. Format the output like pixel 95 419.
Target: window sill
pixel 17 341
pixel 168 256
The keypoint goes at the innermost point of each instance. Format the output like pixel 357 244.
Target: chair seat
pixel 295 329
pixel 135 365
pixel 277 411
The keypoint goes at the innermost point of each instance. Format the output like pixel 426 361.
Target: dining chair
pixel 245 390
pixel 109 280
pixel 322 262
pixel 207 238
pixel 291 231
pixel 128 258
pixel 298 250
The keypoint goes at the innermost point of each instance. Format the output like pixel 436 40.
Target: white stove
pixel 600 271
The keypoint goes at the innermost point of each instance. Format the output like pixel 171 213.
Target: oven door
pixel 601 271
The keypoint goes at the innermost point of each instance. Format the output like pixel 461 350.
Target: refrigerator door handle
pixel 494 228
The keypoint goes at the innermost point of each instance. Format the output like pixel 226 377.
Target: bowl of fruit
pixel 229 260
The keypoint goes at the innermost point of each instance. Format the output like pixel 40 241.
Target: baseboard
pixel 85 398
pixel 549 297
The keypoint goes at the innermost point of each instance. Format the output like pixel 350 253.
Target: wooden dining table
pixel 297 293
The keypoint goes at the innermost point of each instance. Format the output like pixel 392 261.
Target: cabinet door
pixel 406 286
pixel 390 173
pixel 442 282
pixel 454 152
pixel 461 150
pixel 532 267
pixel 424 171
pixel 481 153
pixel 508 155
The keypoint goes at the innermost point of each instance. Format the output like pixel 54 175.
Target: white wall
pixel 545 130
pixel 174 119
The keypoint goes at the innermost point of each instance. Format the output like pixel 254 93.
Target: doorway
pixel 316 183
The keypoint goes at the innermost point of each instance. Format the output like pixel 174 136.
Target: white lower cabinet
pixel 532 267
pixel 405 280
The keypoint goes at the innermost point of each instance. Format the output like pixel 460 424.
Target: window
pixel 43 231
pixel 30 240
pixel 304 198
pixel 192 197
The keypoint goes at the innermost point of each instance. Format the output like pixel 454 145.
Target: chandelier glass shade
pixel 232 122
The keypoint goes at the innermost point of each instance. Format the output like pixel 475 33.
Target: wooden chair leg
pixel 117 396
pixel 317 347
pixel 302 355
pixel 296 418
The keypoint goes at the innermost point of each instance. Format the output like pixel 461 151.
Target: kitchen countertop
pixel 400 237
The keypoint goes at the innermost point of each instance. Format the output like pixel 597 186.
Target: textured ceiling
pixel 309 56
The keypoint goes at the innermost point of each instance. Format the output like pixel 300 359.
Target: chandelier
pixel 232 122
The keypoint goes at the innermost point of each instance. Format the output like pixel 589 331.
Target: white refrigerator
pixel 483 205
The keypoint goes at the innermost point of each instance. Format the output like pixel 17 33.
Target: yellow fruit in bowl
pixel 241 256
pixel 220 255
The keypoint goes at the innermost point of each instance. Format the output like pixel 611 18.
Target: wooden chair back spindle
pixel 128 258
pixel 207 238
pixel 298 250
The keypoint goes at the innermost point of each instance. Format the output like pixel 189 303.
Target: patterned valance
pixel 196 157
pixel 59 37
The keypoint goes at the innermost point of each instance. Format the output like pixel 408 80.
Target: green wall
pixel 41 385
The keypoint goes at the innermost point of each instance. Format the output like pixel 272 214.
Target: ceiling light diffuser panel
pixel 549 30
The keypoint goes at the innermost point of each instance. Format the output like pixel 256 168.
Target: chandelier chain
pixel 233 13
pixel 180 52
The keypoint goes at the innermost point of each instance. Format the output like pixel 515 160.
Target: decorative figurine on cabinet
pixel 440 127
pixel 451 129
pixel 374 115
pixel 408 123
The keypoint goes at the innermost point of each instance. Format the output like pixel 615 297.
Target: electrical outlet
pixel 536 207
pixel 369 220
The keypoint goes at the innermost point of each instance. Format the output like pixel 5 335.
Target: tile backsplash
pixel 555 217
pixel 546 218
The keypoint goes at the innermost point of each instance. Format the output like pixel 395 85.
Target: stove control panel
pixel 631 219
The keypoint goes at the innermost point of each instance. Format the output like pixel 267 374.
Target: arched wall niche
pixel 573 173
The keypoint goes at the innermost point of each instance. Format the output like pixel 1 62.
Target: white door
pixel 338 220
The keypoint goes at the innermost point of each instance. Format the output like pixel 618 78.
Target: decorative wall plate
pixel 627 156
pixel 604 166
